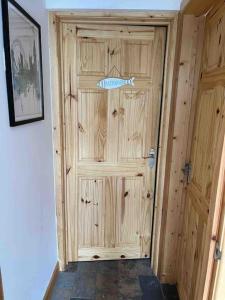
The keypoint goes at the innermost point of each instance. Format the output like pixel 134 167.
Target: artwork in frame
pixel 23 64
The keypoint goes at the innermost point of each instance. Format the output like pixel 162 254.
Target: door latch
pixel 217 252
pixel 187 169
pixel 151 158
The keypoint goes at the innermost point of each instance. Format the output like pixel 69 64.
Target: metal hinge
pixel 187 171
pixel 217 252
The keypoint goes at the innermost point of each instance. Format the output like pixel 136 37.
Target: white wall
pixel 27 220
pixel 114 4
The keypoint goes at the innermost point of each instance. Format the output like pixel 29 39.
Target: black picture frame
pixel 8 65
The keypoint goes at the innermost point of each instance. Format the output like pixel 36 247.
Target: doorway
pixel 104 138
pixel 115 133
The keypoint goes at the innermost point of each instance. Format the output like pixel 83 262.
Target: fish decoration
pixel 114 83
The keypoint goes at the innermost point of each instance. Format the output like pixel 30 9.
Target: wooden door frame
pixel 218 231
pixel 151 18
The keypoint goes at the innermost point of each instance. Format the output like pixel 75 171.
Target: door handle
pixel 151 158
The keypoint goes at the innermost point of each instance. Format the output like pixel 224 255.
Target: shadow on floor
pixel 116 280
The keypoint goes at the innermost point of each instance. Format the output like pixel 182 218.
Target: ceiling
pixel 114 4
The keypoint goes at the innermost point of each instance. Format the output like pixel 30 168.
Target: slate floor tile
pixel 84 285
pixel 130 288
pixel 61 294
pixel 170 292
pixel 111 280
pixel 151 288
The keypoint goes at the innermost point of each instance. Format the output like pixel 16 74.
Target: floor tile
pixel 151 288
pixel 111 280
pixel 170 292
pixel 84 285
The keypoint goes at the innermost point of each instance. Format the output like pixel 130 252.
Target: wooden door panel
pixel 205 140
pixel 199 200
pixel 92 125
pixel 106 253
pixel 114 57
pixel 133 118
pixel 137 60
pixel 91 209
pixel 214 54
pixel 192 243
pixel 92 57
pixel 128 212
pixel 110 212
pixel 110 206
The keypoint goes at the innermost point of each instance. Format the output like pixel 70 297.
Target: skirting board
pixel 1 287
pixel 51 282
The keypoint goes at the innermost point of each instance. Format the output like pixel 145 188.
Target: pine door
pixel 203 200
pixel 108 137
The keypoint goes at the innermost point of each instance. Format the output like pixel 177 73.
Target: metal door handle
pixel 151 158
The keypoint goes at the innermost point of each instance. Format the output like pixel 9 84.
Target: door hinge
pixel 217 252
pixel 187 171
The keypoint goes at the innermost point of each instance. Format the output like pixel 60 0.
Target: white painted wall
pixel 27 220
pixel 114 4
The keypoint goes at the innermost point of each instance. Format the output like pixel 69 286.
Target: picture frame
pixel 23 64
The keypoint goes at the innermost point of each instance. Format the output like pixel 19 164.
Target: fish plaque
pixel 114 83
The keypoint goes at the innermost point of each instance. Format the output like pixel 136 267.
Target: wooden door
pixel 203 199
pixel 108 136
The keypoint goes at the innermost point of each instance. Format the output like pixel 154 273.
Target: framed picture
pixel 23 63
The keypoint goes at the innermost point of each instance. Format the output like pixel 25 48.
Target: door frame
pixel 122 17
pixel 215 274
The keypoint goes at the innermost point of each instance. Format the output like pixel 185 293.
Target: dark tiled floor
pixel 111 280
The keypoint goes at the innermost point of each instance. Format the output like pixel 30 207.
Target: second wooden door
pixel 203 200
pixel 109 135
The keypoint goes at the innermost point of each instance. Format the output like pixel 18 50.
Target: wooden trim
pixel 215 217
pixel 218 266
pixel 197 7
pixel 217 287
pixel 58 138
pixel 52 282
pixel 168 19
pixel 168 92
pixel 188 62
pixel 1 287
pixel 130 16
pixel 168 162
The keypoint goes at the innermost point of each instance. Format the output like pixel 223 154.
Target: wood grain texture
pixel 92 125
pixel 111 137
pixel 59 165
pixel 188 76
pixel 128 212
pixel 217 287
pixel 213 59
pixel 197 7
pixel 69 118
pixel 126 33
pixel 203 202
pixel 89 254
pixel 199 193
pixel 164 143
pixel 125 17
pixel 91 19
